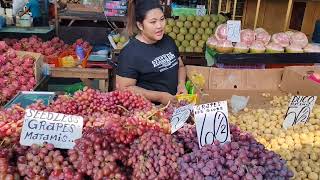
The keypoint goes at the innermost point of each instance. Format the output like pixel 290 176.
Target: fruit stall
pixel 252 111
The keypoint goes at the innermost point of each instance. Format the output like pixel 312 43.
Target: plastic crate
pixel 240 66
pixel 71 89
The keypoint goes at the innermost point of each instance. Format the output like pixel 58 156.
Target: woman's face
pixel 153 25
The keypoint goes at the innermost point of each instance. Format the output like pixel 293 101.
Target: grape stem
pixel 2 142
pixel 123 108
pixel 161 109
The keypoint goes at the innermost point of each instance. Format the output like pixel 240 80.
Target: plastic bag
pixel 238 103
pixel 190 98
pixel 17 5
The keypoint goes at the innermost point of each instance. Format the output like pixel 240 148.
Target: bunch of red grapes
pixel 187 135
pixel 11 121
pixel 98 156
pixel 8 170
pixel 39 162
pixel 243 158
pixel 154 156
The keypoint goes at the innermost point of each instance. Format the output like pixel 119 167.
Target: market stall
pixel 62 118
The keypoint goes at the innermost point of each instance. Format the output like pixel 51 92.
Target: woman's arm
pixel 182 73
pixel 155 96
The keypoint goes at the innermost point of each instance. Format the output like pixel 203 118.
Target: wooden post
pixel 234 9
pixel 288 15
pixel 219 6
pixel 209 6
pixel 56 17
pixel 228 6
pixel 257 14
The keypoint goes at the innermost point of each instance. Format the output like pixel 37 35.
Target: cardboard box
pixel 221 84
pixel 37 65
pixel 85 8
pixel 295 80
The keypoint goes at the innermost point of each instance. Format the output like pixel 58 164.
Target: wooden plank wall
pixel 272 15
pixel 311 15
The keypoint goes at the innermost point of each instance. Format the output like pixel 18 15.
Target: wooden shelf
pixel 84 74
pixel 94 16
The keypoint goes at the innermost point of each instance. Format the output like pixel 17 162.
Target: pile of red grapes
pixel 11 121
pixel 39 162
pixel 243 158
pixel 154 156
pixel 7 170
pixel 126 137
pixel 89 101
pixel 98 156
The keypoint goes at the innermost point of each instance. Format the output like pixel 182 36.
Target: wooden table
pixel 85 74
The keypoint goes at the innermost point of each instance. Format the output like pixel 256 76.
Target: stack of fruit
pixel 191 33
pixel 299 145
pixel 119 40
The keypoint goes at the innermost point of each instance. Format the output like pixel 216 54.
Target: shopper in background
pixel 33 6
pixel 150 64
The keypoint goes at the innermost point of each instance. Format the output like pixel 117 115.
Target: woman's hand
pixel 181 89
pixel 165 97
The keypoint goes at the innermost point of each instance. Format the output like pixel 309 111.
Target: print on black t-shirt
pixel 154 66
pixel 165 62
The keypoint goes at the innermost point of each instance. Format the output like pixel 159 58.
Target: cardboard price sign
pixel 201 10
pixel 212 123
pixel 179 117
pixel 233 30
pixel 299 110
pixel 59 129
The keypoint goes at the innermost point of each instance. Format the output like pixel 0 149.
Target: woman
pixel 150 64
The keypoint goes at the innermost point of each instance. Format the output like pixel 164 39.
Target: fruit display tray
pixel 271 58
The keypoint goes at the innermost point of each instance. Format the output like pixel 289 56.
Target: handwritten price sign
pixel 59 129
pixel 212 123
pixel 179 117
pixel 233 30
pixel 201 10
pixel 299 110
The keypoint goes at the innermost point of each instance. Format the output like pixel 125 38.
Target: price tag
pixel 201 10
pixel 179 117
pixel 233 30
pixel 59 129
pixel 299 110
pixel 212 123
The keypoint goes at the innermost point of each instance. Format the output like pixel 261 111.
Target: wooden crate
pixel 84 8
pixel 37 65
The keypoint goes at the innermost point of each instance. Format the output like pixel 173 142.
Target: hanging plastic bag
pixel 17 6
pixel 238 103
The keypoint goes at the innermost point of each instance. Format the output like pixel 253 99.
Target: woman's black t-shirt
pixel 154 66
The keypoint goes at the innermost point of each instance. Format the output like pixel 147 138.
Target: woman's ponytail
pixel 132 23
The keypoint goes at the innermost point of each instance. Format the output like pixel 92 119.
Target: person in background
pixel 150 63
pixel 33 6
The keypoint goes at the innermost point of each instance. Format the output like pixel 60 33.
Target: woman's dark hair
pixel 137 10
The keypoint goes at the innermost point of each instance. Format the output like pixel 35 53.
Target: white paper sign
pixel 299 110
pixel 59 129
pixel 179 117
pixel 233 30
pixel 201 10
pixel 212 123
